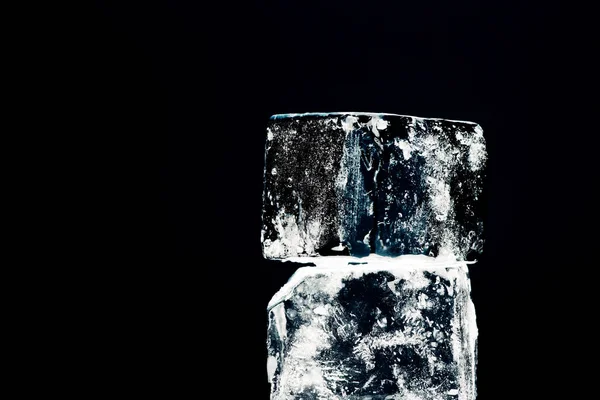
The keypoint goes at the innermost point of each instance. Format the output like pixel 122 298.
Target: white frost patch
pixel 269 134
pixel 440 198
pixel 291 240
pixel 311 339
pixel 477 155
pixel 348 123
pixel 302 370
pixel 314 232
pixel 339 247
pixel 271 367
pixel 280 321
pixel 367 238
pixel 476 146
pixel 406 148
pixel 321 310
pixel 376 124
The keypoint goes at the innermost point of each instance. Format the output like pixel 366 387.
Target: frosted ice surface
pixel 373 328
pixel 360 183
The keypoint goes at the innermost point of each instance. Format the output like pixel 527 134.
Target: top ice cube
pixel 360 183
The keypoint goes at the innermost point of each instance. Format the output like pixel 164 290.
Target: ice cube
pixel 373 328
pixel 361 183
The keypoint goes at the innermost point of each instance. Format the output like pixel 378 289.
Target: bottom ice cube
pixel 373 328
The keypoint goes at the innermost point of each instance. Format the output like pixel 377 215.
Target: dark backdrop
pixel 180 94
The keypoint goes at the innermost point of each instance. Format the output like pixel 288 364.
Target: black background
pixel 179 93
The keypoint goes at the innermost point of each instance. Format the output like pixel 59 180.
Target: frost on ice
pixel 401 329
pixel 359 183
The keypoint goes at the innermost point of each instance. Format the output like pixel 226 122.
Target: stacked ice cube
pixel 385 207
